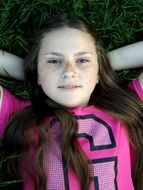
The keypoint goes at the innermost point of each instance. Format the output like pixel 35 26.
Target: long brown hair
pixel 109 94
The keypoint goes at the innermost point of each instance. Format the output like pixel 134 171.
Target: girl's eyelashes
pixel 82 60
pixel 54 61
pixel 59 61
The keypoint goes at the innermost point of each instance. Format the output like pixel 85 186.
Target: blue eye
pixel 82 60
pixel 54 61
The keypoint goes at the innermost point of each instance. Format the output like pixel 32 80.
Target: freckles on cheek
pixel 44 79
pixel 44 72
pixel 91 78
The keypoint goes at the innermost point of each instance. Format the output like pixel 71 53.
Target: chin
pixel 72 106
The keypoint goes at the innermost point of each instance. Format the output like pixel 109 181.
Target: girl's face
pixel 67 67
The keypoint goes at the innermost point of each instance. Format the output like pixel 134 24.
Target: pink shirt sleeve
pixel 10 104
pixel 136 86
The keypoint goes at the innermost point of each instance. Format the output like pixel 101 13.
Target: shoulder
pixel 9 104
pixel 1 94
pixel 137 86
pixel 140 78
pixel 10 101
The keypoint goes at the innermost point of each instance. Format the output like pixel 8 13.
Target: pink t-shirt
pixel 9 105
pixel 102 138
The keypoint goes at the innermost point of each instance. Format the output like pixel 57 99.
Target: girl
pixel 83 128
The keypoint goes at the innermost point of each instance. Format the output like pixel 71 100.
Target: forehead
pixel 67 39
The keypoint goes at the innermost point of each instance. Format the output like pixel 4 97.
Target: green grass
pixel 118 22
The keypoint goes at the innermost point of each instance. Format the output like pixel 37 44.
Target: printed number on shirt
pixel 94 135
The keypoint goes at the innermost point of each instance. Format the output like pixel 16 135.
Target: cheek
pixel 44 75
pixel 45 80
pixel 91 77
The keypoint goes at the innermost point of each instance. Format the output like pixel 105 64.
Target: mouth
pixel 69 86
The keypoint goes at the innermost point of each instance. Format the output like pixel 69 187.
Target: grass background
pixel 119 23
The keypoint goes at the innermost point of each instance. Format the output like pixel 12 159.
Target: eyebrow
pixel 76 54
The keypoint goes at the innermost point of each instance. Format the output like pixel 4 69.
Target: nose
pixel 69 70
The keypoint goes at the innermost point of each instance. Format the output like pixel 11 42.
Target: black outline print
pixel 93 147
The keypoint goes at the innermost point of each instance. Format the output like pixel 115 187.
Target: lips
pixel 69 86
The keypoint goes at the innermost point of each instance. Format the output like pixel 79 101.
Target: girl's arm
pixel 127 57
pixel 11 65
